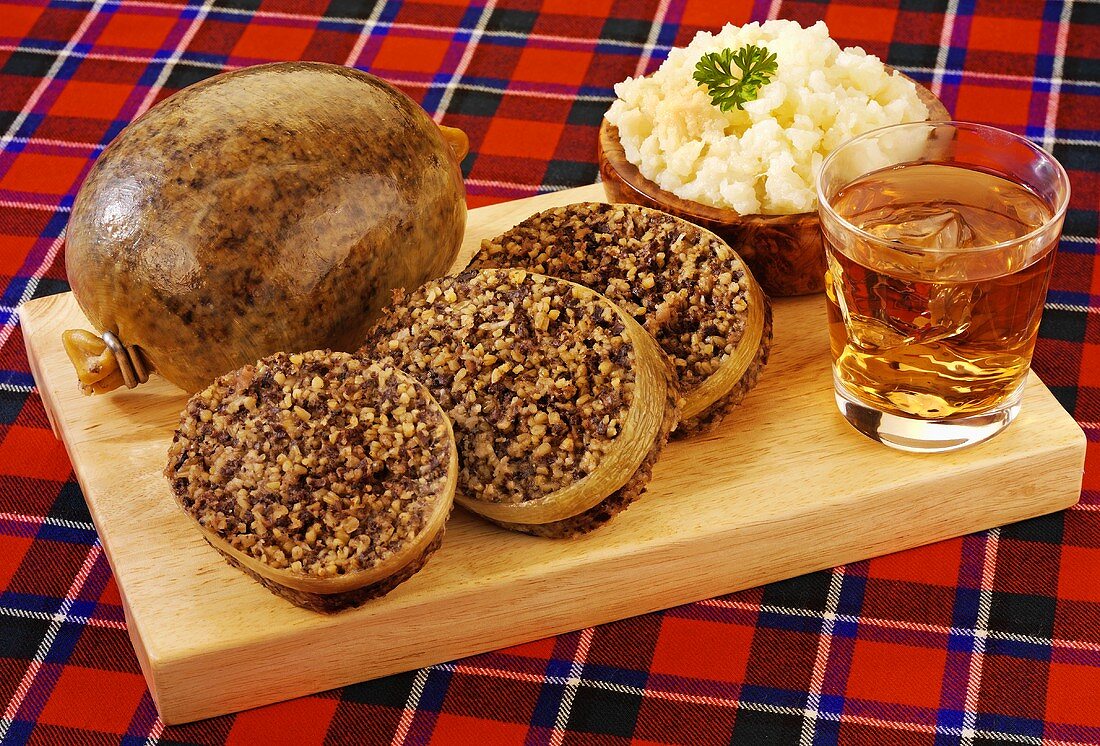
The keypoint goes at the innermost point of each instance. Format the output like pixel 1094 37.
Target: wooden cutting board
pixel 785 487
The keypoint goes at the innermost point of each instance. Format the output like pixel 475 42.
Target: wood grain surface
pixel 784 487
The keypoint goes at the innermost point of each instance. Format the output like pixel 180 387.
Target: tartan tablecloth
pixel 988 639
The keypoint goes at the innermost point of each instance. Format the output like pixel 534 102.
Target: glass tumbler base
pixel 927 436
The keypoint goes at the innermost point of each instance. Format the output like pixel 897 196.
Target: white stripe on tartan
pixel 32 285
pixel 991 542
pixel 51 74
pixel 651 40
pixel 572 684
pixel 979 75
pixel 364 33
pixel 32 206
pixel 730 702
pixel 55 143
pixel 464 61
pixel 45 616
pixel 773 9
pixel 1051 125
pixel 1088 507
pixel 1071 307
pixel 173 58
pixel 540 188
pixel 821 661
pixel 38 520
pixel 411 705
pixel 935 629
pixel 89 55
pixel 16 701
pixel 155 732
pixel 945 46
pixel 399 26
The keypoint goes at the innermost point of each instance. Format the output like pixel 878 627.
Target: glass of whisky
pixel 940 238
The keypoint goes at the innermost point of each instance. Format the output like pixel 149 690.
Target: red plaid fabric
pixel 988 639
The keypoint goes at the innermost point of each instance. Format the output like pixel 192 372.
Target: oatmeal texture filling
pixel 685 286
pixel 318 463
pixel 536 375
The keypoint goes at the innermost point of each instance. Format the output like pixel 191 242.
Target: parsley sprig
pixel 729 89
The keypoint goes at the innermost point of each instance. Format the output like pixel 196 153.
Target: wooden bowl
pixel 784 252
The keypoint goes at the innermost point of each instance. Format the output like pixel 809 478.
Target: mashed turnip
pixel 762 159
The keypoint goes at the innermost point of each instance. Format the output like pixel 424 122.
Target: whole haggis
pixel 270 208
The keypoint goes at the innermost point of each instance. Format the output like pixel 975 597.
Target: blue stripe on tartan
pixel 1052 11
pixel 112 131
pixel 150 74
pixel 826 732
pixel 68 635
pixel 435 690
pixel 83 607
pixel 964 615
pixel 29 602
pixel 948 718
pixel 852 591
pixel 557 668
pixel 766 695
pixel 1008 724
pixel 551 693
pixel 53 532
pixel 546 706
pixel 832 704
pixel 846 628
pixel 961 640
pixel 1071 247
pixel 791 622
pixel 352 26
pixel 1071 134
pixel 1064 296
pixel 205 57
pixel 20 732
pixel 142 722
pixel 434 94
pixel 1074 86
pixel 606 48
pixel 1044 68
pixel 13 294
pixel 611 675
pixel 191 12
pixel 29 125
pixel 1038 651
pixel 388 15
pixel 18 529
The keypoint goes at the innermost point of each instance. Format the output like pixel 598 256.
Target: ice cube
pixel 875 336
pixel 949 311
pixel 904 313
pixel 943 229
